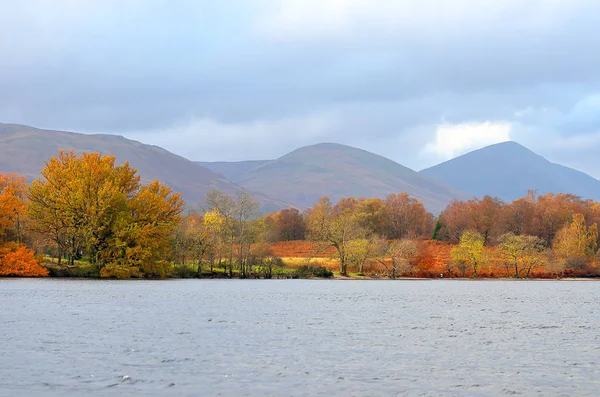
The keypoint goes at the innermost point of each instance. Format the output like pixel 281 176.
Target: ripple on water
pixel 299 337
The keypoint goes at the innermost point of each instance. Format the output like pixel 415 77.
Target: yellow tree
pixel 470 250
pixel 576 242
pixel 78 199
pixel 145 231
pixel 335 226
pixel 358 251
pixel 87 204
pixel 213 226
pixel 520 252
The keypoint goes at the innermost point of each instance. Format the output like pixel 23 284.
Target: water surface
pixel 299 337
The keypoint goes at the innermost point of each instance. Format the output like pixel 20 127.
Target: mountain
pixel 230 170
pixel 508 170
pixel 24 150
pixel 306 174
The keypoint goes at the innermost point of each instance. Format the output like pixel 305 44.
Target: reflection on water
pixel 299 337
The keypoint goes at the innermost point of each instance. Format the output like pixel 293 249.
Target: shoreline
pixel 335 278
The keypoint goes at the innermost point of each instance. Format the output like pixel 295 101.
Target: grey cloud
pixel 142 68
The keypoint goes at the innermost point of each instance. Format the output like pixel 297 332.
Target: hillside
pixel 231 170
pixel 508 170
pixel 24 150
pixel 306 174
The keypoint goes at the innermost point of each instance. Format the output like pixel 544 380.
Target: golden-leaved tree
pixel 470 251
pixel 87 204
pixel 576 243
pixel 336 226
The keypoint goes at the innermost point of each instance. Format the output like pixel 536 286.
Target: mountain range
pixel 306 174
pixel 507 170
pixel 24 150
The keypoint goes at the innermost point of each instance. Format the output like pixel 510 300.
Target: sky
pixel 418 81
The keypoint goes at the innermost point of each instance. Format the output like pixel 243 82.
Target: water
pixel 299 338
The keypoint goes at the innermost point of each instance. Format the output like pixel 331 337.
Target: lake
pixel 299 338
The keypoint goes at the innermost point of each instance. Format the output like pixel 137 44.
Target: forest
pixel 87 216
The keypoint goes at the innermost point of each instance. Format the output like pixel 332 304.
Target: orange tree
pixel 12 205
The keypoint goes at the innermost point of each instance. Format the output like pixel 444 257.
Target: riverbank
pixel 85 270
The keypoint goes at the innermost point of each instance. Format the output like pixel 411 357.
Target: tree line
pixel 87 211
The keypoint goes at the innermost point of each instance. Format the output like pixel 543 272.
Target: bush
pixel 313 271
pixel 185 271
pixel 19 261
pixel 120 271
pixel 157 269
pixel 80 270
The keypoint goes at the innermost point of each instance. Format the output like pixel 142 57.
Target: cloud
pixel 452 140
pixel 240 141
pixel 233 79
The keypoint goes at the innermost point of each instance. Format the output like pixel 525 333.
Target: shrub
pixel 19 261
pixel 185 271
pixel 157 269
pixel 313 271
pixel 120 271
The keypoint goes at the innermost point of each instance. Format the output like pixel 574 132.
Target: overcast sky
pixel 418 81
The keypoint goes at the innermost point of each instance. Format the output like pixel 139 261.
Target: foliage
pixel 100 218
pixel 313 271
pixel 336 226
pixel 403 253
pixel 12 204
pixel 576 243
pixel 521 253
pixel 19 261
pixel 87 204
pixel 470 252
pixel 185 271
pixel 357 253
pixel 285 225
pixel 120 271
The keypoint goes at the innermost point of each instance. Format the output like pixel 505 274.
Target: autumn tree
pixel 235 227
pixel 286 225
pixel 12 205
pixel 371 214
pixel 198 239
pixel 380 251
pixel 77 200
pixel 213 226
pixel 516 217
pixel 245 209
pixel 335 226
pixel 357 253
pixel 470 250
pixel 484 215
pixel 405 216
pixel 403 254
pixel 521 253
pixel 19 261
pixel 576 243
pixel 222 205
pixel 454 221
pixel 88 204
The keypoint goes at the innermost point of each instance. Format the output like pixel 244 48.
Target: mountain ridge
pixel 25 149
pixel 508 170
pixel 305 174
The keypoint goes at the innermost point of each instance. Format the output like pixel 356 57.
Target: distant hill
pixel 24 150
pixel 231 170
pixel 508 170
pixel 306 174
